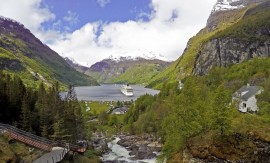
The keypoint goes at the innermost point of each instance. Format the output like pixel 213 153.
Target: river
pixel 110 92
pixel 119 153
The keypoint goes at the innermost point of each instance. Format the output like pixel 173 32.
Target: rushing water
pixel 120 153
pixel 110 92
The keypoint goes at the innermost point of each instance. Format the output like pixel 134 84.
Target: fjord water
pixel 111 92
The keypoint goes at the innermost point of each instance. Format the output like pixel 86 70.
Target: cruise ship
pixel 127 90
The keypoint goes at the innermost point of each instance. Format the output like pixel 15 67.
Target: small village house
pixel 121 110
pixel 245 98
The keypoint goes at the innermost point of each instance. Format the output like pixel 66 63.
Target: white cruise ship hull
pixel 127 90
pixel 127 93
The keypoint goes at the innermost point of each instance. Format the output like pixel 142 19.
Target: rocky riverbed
pixel 126 149
pixel 140 147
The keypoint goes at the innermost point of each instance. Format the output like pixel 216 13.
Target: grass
pixel 96 107
pixel 248 27
pixel 14 151
pixel 6 54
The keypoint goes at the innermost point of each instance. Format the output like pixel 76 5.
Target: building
pixel 245 98
pixel 180 85
pixel 121 110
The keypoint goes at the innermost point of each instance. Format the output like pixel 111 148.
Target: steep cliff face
pixel 227 51
pixel 248 38
pixel 234 33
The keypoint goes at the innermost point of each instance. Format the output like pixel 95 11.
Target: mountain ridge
pixel 217 23
pixel 126 69
pixel 28 55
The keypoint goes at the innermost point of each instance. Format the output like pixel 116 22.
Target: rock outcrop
pixel 140 147
pixel 227 51
pixel 247 38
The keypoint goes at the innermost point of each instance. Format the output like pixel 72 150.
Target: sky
pixel 91 30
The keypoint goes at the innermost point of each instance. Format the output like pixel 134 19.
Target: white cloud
pixel 103 3
pixel 72 18
pixel 28 12
pixel 171 24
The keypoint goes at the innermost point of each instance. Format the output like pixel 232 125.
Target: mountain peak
pixel 23 52
pixel 149 56
pixel 223 5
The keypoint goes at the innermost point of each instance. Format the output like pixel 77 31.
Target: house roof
pixel 121 110
pixel 246 91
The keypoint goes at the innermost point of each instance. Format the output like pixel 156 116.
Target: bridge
pixel 56 150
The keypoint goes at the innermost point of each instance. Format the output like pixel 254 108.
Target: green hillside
pixel 200 122
pixel 22 53
pixel 201 116
pixel 138 71
pixel 233 24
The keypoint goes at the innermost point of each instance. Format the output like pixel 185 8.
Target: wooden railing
pixel 37 141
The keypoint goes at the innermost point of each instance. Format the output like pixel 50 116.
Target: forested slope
pixel 201 120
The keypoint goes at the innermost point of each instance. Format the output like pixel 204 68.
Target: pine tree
pixel 42 107
pixel 26 113
pixel 73 116
pixel 58 127
pixel 222 112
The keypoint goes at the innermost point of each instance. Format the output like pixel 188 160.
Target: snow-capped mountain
pixel 149 56
pixel 75 62
pixel 223 5
pixel 71 60
pixel 127 69
pixel 119 69
pixel 78 66
pixel 225 10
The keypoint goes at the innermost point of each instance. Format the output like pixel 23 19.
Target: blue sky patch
pixel 71 15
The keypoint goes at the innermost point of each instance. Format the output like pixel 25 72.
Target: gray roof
pixel 121 110
pixel 250 91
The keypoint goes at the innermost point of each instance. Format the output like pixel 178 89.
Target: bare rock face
pixel 237 44
pixel 227 51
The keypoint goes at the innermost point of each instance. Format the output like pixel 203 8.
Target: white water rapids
pixel 119 153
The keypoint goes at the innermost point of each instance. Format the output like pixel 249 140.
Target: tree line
pixel 41 111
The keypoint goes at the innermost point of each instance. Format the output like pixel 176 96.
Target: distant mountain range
pixel 137 70
pixel 22 53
